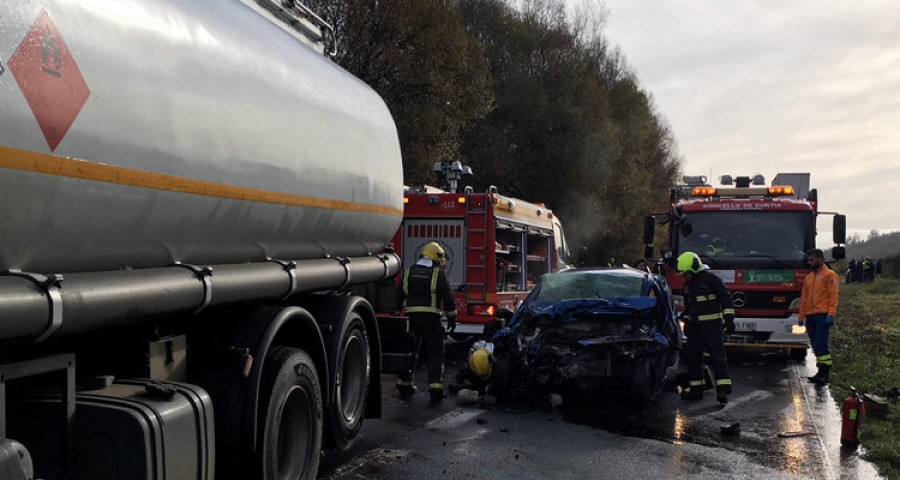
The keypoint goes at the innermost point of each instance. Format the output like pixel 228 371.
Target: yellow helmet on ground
pixel 434 251
pixel 688 262
pixel 481 362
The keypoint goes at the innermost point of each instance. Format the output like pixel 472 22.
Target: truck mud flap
pixel 398 345
pixel 129 429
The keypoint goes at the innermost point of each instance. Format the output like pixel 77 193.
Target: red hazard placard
pixel 49 79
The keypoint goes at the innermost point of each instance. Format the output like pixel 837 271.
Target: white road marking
pixel 752 396
pixel 453 419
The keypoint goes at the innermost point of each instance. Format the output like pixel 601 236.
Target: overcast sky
pixel 771 86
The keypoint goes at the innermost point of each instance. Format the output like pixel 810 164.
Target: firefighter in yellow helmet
pixel 707 311
pixel 480 368
pixel 424 292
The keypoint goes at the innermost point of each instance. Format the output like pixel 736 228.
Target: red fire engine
pixel 496 246
pixel 754 237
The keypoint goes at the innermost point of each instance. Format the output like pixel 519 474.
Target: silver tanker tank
pixel 137 134
pixel 190 182
pixel 141 136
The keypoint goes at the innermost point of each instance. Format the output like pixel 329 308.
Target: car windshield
pixel 557 287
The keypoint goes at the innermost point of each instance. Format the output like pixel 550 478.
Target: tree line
pixel 533 98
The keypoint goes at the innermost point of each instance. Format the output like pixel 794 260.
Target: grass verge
pixel 866 348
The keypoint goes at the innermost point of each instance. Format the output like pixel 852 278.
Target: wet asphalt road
pixel 607 439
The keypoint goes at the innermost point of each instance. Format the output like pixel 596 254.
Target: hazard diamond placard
pixel 49 79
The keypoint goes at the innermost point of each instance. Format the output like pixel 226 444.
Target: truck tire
pixel 290 416
pixel 351 370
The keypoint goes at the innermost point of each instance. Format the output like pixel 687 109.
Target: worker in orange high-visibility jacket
pixel 818 304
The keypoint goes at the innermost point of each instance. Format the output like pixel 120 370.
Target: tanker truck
pixel 196 207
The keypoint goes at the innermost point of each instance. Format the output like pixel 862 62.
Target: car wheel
pixel 290 416
pixel 501 385
pixel 642 384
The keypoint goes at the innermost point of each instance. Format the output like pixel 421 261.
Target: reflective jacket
pixel 706 299
pixel 820 292
pixel 423 289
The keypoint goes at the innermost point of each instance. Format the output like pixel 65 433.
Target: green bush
pixel 866 349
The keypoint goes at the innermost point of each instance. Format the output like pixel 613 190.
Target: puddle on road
pixel 767 379
pixel 702 425
pixel 372 462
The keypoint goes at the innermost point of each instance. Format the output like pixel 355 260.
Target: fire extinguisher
pixel 852 412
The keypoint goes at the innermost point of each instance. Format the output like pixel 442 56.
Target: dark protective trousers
pixel 429 333
pixel 706 336
pixel 819 333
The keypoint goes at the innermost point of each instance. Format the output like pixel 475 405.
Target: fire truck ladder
pixel 477 239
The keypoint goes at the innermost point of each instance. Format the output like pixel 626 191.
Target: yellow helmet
pixel 688 262
pixel 434 251
pixel 481 362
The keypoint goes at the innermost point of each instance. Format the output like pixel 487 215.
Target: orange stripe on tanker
pixel 87 170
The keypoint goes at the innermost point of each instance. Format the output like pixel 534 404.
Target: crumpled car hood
pixel 556 316
pixel 570 310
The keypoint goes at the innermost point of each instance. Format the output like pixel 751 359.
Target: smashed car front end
pixel 585 346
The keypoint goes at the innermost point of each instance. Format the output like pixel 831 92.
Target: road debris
pixel 467 396
pixel 797 433
pixel 732 430
pixel 875 405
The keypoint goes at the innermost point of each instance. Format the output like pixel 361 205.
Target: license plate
pixel 745 326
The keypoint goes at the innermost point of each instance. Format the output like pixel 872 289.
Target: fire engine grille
pixel 761 300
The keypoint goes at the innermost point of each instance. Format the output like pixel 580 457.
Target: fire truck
pixel 497 246
pixel 754 237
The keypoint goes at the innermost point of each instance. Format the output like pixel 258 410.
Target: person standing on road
pixel 423 290
pixel 707 305
pixel 818 304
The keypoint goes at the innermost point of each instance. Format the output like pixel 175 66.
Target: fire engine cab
pixel 496 246
pixel 755 238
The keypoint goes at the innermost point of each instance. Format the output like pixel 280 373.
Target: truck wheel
pixel 351 371
pixel 290 416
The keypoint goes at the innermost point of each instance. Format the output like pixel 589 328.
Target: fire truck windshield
pixel 736 239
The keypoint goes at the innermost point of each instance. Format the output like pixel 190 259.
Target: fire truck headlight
pixel 798 329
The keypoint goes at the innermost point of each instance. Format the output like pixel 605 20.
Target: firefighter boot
pixel 405 389
pixel 815 378
pixel 722 392
pixel 695 393
pixel 824 371
pixel 437 394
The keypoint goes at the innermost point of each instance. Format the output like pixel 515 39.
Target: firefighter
pixel 423 291
pixel 707 303
pixel 818 304
pixel 480 363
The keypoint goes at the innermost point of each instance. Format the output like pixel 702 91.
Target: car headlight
pixel 678 302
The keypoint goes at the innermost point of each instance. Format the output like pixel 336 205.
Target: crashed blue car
pixel 590 331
